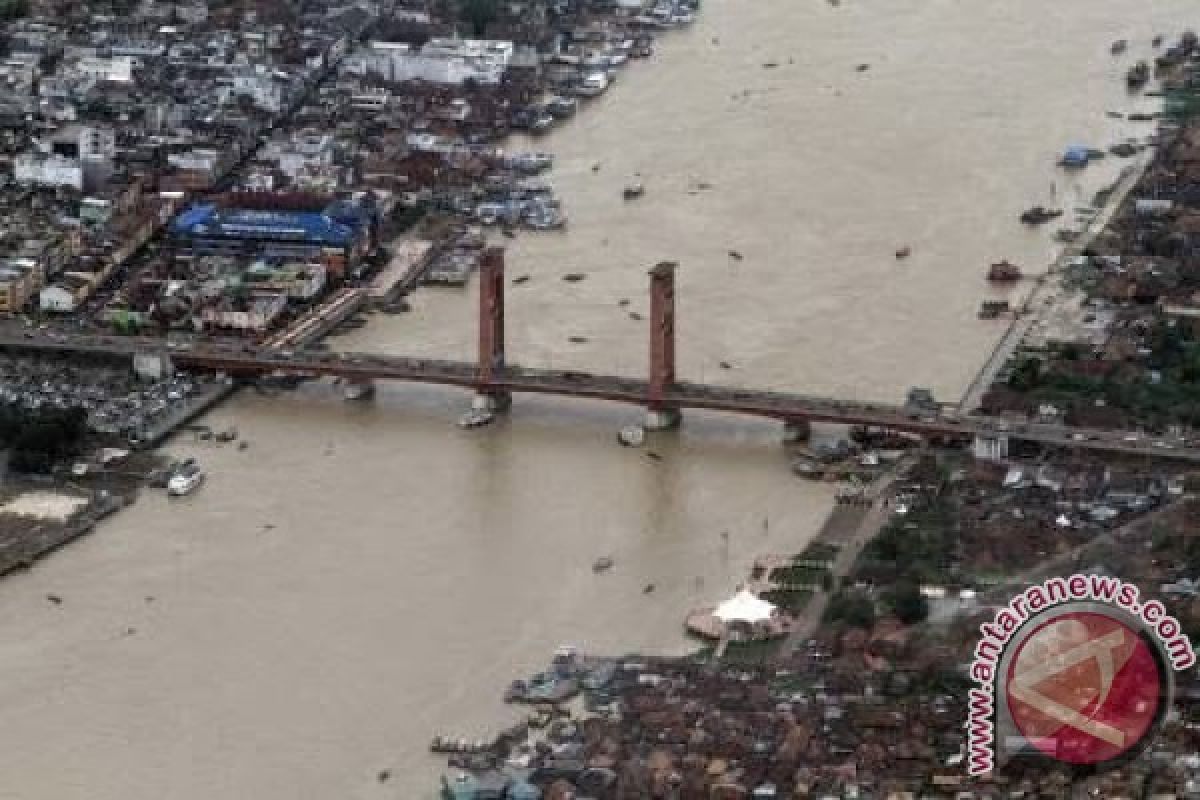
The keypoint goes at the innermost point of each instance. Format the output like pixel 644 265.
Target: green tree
pixel 479 14
pixel 907 603
pixel 853 607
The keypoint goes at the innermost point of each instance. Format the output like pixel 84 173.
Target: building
pixel 118 68
pixel 256 315
pixel 335 236
pixel 68 293
pixel 20 279
pixel 38 169
pixel 75 156
pixel 301 282
pixel 441 61
pixel 304 153
pixel 263 88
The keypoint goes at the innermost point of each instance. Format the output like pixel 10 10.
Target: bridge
pixel 662 395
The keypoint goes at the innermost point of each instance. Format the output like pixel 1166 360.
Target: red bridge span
pixel 661 394
pixel 495 380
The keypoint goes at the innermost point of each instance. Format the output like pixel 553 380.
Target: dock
pixel 341 305
pixel 408 267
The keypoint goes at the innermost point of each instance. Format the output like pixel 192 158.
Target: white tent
pixel 745 606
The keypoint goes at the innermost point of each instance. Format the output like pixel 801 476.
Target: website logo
pixel 1075 669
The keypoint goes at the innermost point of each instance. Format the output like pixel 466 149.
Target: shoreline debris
pixel 1040 215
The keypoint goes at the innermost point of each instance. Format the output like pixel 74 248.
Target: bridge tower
pixel 660 414
pixel 491 331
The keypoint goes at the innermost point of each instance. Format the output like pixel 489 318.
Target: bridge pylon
pixel 660 413
pixel 491 332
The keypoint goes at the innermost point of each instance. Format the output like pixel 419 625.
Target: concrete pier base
pixel 663 419
pixel 795 431
pixel 494 402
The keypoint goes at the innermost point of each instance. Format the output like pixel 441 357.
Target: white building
pixel 440 61
pixel 96 143
pixel 39 169
pixel 306 151
pixel 262 87
pixel 66 294
pixel 117 68
pixel 370 100
pixel 200 159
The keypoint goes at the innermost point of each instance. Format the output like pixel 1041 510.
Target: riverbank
pixel 367 576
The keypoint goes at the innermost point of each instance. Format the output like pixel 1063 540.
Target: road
pixel 246 359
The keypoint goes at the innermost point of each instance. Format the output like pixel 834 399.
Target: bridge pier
pixel 661 414
pixel 796 430
pixel 491 333
pixel 358 389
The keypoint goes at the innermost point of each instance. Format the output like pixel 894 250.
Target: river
pixel 365 576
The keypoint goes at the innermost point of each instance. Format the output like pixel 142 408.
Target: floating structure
pixel 1004 272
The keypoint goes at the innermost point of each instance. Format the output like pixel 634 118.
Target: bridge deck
pixel 235 359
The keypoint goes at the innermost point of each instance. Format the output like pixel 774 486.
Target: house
pixel 440 61
pixel 20 279
pixel 67 293
pixel 256 315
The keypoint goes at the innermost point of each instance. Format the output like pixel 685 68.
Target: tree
pixel 907 603
pixel 1026 375
pixel 853 607
pixel 479 14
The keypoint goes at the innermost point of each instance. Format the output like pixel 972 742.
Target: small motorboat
pixel 352 391
pixel 185 480
pixel 1138 75
pixel 632 436
pixel 476 418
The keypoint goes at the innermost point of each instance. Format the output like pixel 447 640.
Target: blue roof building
pixel 336 235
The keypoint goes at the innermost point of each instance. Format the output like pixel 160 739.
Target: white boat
pixel 186 480
pixel 357 391
pixel 594 84
pixel 476 418
pixel 632 436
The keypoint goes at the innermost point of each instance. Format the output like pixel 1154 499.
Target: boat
pixel 643 48
pixel 185 480
pixel 544 217
pixel 1004 272
pixel 991 309
pixel 632 436
pixel 476 418
pixel 594 84
pixel 1138 75
pixel 1039 215
pixel 562 107
pixel 357 391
